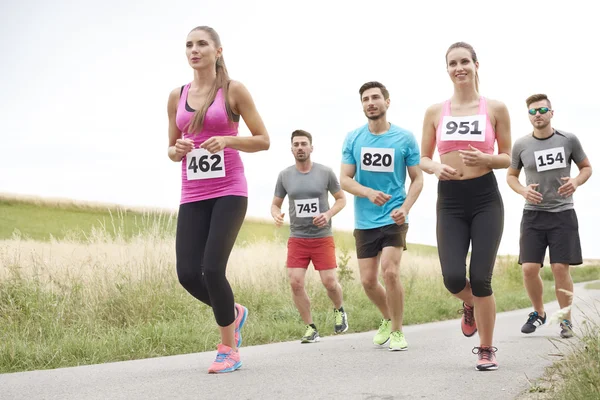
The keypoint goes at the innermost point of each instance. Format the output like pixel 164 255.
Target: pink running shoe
pixel 228 360
pixel 467 324
pixel 240 320
pixel 487 358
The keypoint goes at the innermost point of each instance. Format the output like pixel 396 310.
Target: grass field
pixel 80 285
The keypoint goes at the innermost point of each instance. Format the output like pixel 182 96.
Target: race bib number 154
pixel 550 159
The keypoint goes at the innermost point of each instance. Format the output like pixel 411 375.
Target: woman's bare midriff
pixel 453 159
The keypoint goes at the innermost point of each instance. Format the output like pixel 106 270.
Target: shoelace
pixel 485 353
pixel 384 325
pixel 532 317
pixel 468 313
pixel 338 317
pixel 221 357
pixel 309 331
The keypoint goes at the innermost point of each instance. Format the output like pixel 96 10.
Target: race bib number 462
pixel 550 159
pixel 376 159
pixel 470 128
pixel 201 164
pixel 307 208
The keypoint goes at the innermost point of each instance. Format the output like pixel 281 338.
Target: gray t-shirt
pixel 545 162
pixel 308 197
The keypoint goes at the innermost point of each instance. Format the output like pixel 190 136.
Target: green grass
pixel 43 222
pixel 50 327
pixel 121 317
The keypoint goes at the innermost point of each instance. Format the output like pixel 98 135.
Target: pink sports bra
pixel 457 133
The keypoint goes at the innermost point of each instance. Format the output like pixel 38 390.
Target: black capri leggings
pixel 469 212
pixel 206 233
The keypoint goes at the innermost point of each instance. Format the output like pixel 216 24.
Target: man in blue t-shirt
pixel 375 160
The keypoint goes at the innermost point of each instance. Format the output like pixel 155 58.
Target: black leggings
pixel 469 212
pixel 206 233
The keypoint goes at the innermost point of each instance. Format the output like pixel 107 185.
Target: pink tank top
pixel 204 175
pixel 457 133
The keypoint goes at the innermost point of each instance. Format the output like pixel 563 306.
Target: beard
pixel 541 124
pixel 301 157
pixel 374 117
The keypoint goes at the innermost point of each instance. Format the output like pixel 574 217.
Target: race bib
pixel 470 128
pixel 377 159
pixel 550 159
pixel 201 164
pixel 307 208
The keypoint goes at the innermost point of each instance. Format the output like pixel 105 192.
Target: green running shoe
pixel 383 334
pixel 311 335
pixel 341 321
pixel 398 341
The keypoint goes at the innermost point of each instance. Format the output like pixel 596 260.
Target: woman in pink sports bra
pixel 203 128
pixel 470 210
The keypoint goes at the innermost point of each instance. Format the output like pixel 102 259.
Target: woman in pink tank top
pixel 470 211
pixel 203 136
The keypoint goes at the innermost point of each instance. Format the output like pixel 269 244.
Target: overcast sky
pixel 84 88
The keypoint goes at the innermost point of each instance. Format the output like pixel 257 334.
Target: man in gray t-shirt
pixel 549 218
pixel 307 186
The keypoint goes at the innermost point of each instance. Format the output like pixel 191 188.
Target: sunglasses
pixel 542 110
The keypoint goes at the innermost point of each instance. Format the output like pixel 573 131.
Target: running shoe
pixel 486 358
pixel 341 321
pixel 566 329
pixel 467 324
pixel 383 334
pixel 240 320
pixel 228 360
pixel 398 341
pixel 311 335
pixel 533 322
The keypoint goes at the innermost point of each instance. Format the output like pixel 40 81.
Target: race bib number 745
pixel 201 164
pixel 306 208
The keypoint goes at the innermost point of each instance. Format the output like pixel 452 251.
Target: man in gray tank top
pixel 549 218
pixel 307 186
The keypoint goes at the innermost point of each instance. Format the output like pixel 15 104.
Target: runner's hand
pixel 378 198
pixel 399 216
pixel 444 172
pixel 278 219
pixel 321 220
pixel 474 157
pixel 568 188
pixel 183 146
pixel 214 144
pixel 531 195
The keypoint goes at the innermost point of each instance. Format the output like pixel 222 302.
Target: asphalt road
pixel 438 365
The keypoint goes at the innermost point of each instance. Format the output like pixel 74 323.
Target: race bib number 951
pixel 307 208
pixel 201 164
pixel 470 128
pixel 550 159
pixel 376 159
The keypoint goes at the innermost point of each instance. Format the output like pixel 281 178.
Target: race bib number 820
pixel 201 164
pixel 377 159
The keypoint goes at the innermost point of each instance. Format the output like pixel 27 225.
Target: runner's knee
pixel 481 287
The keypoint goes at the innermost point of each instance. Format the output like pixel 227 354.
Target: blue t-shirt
pixel 381 162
